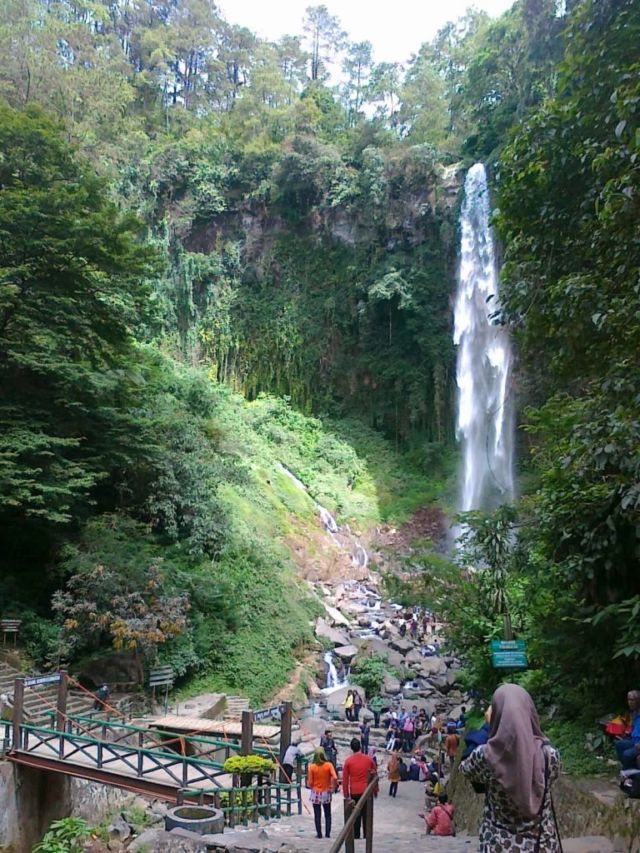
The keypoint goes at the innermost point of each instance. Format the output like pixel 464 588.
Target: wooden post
pixel 285 729
pixel 18 709
pixel 61 707
pixel 246 741
pixel 349 842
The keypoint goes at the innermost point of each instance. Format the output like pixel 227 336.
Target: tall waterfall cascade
pixel 485 421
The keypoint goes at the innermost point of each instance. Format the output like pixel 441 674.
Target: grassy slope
pixel 348 468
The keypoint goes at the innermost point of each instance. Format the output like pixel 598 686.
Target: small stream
pixel 341 535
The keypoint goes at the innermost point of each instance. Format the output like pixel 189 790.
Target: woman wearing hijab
pixel 517 767
pixel 322 779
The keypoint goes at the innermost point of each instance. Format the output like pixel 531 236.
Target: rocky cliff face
pixel 337 301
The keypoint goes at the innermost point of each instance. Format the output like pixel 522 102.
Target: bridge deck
pixel 225 728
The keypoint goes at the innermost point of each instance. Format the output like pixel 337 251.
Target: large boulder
pixel 441 682
pixel 120 670
pixel 347 652
pixel 377 646
pixel 391 684
pixel 324 631
pixel 433 665
pixel 399 644
pixel 336 616
pixel 452 677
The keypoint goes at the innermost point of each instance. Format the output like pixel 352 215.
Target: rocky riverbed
pixel 357 623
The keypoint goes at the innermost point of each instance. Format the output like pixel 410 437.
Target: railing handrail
pixel 173 735
pixel 189 759
pixel 355 814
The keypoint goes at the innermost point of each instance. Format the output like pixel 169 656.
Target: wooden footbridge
pixel 177 762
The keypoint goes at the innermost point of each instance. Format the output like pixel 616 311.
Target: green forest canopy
pixel 187 210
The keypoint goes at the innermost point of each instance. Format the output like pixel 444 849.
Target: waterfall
pixel 485 413
pixel 342 537
pixel 333 680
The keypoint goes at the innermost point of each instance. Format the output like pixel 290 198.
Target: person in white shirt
pixel 291 755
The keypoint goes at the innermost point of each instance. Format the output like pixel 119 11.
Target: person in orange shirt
pixel 322 779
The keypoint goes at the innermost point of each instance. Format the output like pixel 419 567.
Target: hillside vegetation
pixel 214 261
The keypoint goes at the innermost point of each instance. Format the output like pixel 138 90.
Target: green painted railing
pixel 85 723
pixel 239 804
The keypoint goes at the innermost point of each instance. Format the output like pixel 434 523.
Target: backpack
pixel 630 785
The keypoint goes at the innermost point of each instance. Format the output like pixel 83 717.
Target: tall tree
pixel 357 66
pixel 569 196
pixel 325 38
pixel 69 291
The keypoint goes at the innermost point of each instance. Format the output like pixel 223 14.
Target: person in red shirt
pixel 355 780
pixel 439 821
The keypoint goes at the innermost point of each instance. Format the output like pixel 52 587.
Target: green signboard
pixel 509 654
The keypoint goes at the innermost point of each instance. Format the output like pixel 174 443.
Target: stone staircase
pixel 344 731
pixel 235 706
pixel 42 699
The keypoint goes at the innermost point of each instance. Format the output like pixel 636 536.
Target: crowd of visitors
pixel 508 759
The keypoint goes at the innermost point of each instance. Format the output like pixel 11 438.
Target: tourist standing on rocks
pixel 407 733
pixel 329 745
pixel 451 744
pixel 355 780
pixel 357 705
pixel 322 779
pixel 348 705
pixel 365 730
pixel 517 767
pixel 393 772
pixel 376 705
pixel 393 738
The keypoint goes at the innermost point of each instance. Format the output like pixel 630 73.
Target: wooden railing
pixel 111 728
pixel 132 760
pixel 187 767
pixel 241 805
pixel 352 811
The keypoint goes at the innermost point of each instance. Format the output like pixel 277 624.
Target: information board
pixel 265 713
pixel 509 654
pixel 39 680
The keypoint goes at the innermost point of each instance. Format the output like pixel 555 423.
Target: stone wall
pixel 30 799
pixel 93 802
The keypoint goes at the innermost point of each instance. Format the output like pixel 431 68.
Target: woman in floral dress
pixel 517 767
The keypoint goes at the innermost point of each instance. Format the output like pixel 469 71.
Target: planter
pixel 204 820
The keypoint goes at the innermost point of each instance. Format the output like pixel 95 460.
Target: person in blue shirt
pixel 628 749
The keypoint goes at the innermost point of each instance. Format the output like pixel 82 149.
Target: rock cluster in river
pixel 373 628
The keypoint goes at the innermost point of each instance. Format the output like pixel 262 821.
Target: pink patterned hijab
pixel 514 749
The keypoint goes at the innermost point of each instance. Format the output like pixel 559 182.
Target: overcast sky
pixel 396 28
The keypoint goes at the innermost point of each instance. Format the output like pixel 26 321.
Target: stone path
pixel 397 828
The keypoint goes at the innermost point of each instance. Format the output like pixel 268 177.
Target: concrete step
pixel 235 706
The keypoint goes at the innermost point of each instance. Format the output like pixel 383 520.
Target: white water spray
pixel 333 679
pixel 485 412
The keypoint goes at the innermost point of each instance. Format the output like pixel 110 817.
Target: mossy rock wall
pixel 579 812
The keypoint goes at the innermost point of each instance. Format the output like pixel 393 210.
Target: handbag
pixel 537 848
